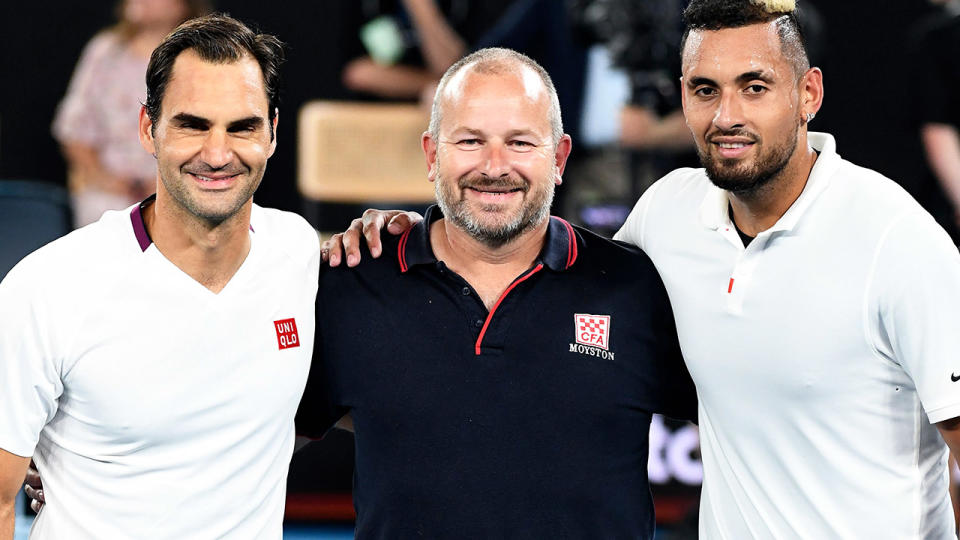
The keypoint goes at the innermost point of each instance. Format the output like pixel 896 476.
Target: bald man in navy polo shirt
pixel 505 385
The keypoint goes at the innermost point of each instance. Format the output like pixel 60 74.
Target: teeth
pixel 732 145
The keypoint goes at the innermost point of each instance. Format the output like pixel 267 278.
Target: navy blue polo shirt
pixel 527 421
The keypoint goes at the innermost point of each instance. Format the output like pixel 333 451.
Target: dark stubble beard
pixel 533 211
pixel 747 181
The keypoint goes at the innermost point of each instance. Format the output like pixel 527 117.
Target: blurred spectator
pixel 410 43
pixel 423 38
pixel 936 42
pixel 96 123
pixel 633 102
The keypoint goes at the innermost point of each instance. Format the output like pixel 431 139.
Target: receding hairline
pixel 492 62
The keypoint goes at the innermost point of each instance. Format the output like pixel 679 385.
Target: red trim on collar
pixel 571 245
pixel 140 227
pixel 486 323
pixel 402 250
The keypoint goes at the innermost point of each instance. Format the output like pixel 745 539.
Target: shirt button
pixel 478 323
pixel 465 291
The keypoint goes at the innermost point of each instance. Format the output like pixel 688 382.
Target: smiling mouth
pixel 203 178
pixel 494 191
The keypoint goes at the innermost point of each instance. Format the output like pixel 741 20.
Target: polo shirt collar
pixel 714 211
pixel 559 250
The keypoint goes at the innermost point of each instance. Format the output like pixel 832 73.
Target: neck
pixel 489 270
pixel 756 212
pixel 210 254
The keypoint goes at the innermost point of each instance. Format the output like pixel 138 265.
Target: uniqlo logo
pixel 287 333
pixel 593 330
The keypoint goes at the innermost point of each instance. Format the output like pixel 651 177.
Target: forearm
pixel 642 129
pixel 7 520
pixel 86 169
pixel 398 82
pixel 440 44
pixel 941 143
pixel 13 469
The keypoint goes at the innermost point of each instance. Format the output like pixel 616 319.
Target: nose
pixel 216 151
pixel 496 160
pixel 729 114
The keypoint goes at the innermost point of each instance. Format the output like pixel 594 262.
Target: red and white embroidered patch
pixel 592 330
pixel 287 333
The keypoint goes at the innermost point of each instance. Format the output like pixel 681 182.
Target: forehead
pixel 732 51
pixel 512 96
pixel 211 90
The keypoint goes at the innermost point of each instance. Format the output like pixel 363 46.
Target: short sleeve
pixel 916 295
pixel 76 119
pixel 632 230
pixel 30 384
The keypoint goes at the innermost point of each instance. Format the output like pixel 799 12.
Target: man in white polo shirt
pixel 151 363
pixel 817 304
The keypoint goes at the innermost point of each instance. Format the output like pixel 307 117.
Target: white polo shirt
pixel 822 353
pixel 153 407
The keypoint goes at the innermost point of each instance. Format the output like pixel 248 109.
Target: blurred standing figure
pixel 96 123
pixel 937 46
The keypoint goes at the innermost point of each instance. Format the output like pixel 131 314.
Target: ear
pixel 146 132
pixel 430 153
pixel 683 96
pixel 561 153
pixel 273 142
pixel 811 92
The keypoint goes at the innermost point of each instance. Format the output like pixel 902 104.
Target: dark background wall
pixel 41 41
pixel 868 92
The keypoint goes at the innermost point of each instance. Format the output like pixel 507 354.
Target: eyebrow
pixel 250 122
pixel 185 118
pixel 742 78
pixel 479 133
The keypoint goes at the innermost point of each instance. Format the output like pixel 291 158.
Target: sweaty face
pixel 741 101
pixel 212 139
pixel 496 164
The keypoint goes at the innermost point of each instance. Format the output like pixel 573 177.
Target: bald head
pixel 496 62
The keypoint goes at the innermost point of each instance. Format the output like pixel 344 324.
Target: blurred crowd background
pixel 72 79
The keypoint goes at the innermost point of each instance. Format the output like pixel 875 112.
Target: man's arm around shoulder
pixel 13 468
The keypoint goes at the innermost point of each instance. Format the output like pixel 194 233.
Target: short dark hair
pixel 216 38
pixel 720 14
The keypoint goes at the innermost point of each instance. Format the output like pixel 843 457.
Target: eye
pixel 705 91
pixel 755 89
pixel 468 142
pixel 522 145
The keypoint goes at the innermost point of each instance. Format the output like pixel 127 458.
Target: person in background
pixel 936 43
pixel 96 123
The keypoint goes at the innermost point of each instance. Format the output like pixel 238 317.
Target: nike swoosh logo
pixel 954 378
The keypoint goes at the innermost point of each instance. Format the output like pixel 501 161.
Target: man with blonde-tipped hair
pixel 817 304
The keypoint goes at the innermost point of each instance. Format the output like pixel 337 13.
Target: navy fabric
pixel 536 436
pixel 32 213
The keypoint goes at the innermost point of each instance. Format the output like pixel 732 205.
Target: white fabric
pixel 153 407
pixel 820 369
